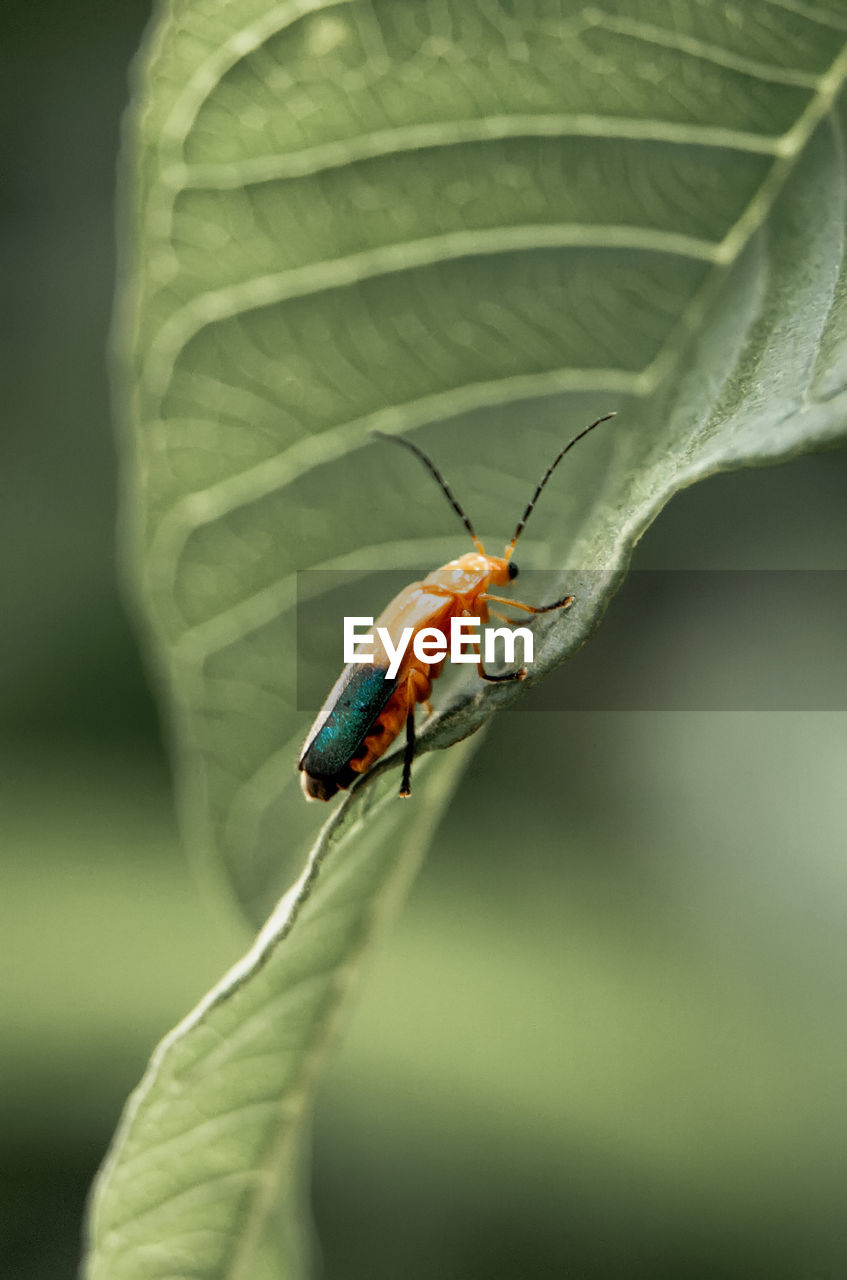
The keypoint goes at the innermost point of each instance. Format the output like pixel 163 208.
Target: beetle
pixel 366 709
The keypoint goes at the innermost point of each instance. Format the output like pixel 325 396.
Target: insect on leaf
pixel 480 226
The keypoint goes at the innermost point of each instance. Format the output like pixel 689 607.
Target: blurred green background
pixel 607 1036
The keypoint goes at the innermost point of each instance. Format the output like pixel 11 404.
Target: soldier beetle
pixel 366 710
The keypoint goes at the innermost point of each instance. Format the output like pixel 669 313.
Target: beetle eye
pixel 513 570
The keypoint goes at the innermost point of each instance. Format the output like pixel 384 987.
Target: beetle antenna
pixel 433 470
pixel 507 555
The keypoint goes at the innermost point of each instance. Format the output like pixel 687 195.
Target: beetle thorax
pixel 470 573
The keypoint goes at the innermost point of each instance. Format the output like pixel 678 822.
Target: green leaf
pixel 204 1175
pixel 484 228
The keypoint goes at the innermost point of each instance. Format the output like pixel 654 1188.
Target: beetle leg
pixel 495 613
pixel 409 753
pixel 531 608
pixel 520 674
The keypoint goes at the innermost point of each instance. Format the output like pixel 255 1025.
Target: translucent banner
pixel 671 640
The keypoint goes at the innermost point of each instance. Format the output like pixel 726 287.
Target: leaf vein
pixel 703 50
pixel 221 304
pixel 345 152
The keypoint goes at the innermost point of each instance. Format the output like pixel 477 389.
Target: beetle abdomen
pixel 354 704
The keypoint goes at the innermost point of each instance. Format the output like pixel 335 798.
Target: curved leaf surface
pixel 484 226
